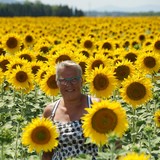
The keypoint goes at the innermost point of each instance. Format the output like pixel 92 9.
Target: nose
pixel 68 83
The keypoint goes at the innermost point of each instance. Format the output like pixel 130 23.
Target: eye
pixel 75 78
pixel 62 80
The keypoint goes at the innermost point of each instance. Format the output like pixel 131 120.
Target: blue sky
pixel 109 4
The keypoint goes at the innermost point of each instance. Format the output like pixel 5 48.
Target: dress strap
pixel 89 101
pixel 55 108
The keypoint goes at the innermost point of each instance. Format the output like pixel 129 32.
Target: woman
pixel 67 112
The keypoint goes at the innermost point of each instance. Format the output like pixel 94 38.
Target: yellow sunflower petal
pixel 102 119
pixel 40 135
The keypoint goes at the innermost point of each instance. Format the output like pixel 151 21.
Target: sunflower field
pixel 120 60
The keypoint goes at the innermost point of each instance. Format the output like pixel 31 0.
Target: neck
pixel 73 103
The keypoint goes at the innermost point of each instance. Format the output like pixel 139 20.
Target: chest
pixel 64 115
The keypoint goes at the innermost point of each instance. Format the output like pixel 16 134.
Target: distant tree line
pixel 37 9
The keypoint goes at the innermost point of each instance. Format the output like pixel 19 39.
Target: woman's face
pixel 69 83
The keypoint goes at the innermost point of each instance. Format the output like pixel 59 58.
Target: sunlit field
pixel 120 59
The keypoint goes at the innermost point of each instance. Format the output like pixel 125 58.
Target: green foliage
pixel 18 109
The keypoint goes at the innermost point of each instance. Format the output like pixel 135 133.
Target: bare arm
pixel 48 111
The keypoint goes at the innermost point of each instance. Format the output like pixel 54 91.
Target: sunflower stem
pixel 40 155
pixel 149 142
pixel 36 92
pixel 14 95
pixel 2 150
pixel 23 101
pixel 133 125
pixel 53 99
pixel 112 151
pixel 16 147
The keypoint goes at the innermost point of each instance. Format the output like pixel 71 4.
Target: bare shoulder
pixel 47 112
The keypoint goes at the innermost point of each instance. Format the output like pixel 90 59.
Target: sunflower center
pixel 41 58
pixel 100 82
pixel 51 82
pixel 2 51
pixel 97 64
pixel 83 66
pixel 62 58
pixel 85 53
pixel 26 56
pixel 40 135
pixel 149 62
pixel 12 42
pixel 35 69
pixel 122 72
pixel 131 57
pixel 21 76
pixel 3 65
pixel 142 37
pixel 126 44
pixel 104 121
pixel 44 49
pixel 157 45
pixel 88 44
pixel 43 75
pixel 136 91
pixel 15 65
pixel 107 45
pixel 29 38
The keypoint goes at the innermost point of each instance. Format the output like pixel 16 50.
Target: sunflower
pixel 106 44
pixel 64 54
pixel 29 39
pixel 102 119
pixel 131 55
pixel 35 66
pixel 102 81
pixel 42 57
pixel 82 61
pixel 156 45
pixel 26 54
pixel 41 73
pixel 135 156
pixel 84 51
pixel 16 61
pixel 96 62
pixel 49 84
pixel 124 69
pixel 42 46
pixel 2 51
pixel 126 43
pixel 4 61
pixel 12 43
pixel 148 62
pixel 136 90
pixel 142 37
pixel 157 118
pixel 40 135
pixel 87 43
pixel 21 78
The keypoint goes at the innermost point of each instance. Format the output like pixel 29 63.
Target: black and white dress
pixel 71 140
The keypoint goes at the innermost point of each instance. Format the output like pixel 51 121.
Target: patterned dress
pixel 71 140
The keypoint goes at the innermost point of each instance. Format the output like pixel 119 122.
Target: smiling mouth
pixel 70 90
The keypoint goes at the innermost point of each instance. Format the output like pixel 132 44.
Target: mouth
pixel 70 90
